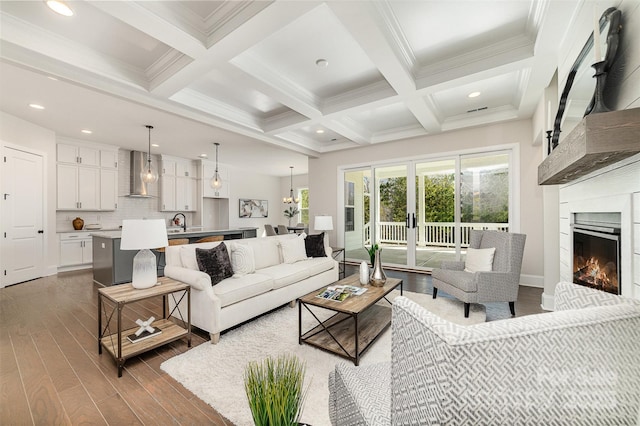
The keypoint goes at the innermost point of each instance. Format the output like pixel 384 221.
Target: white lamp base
pixel 145 274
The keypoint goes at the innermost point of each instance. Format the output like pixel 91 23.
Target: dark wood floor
pixel 51 373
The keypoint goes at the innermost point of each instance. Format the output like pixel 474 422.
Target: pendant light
pixel 291 199
pixel 149 175
pixel 216 182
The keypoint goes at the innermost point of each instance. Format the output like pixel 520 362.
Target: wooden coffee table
pixel 357 323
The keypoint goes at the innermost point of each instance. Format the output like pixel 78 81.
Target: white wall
pixel 15 131
pixel 263 187
pixel 323 176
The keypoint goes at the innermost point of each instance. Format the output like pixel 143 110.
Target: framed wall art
pixel 253 208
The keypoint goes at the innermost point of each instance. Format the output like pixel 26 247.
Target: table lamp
pixel 323 223
pixel 140 234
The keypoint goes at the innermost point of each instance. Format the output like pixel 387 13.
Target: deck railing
pixel 438 234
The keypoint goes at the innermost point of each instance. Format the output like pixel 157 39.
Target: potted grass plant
pixel 275 391
pixel 372 252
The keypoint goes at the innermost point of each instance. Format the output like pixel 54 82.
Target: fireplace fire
pixel 596 257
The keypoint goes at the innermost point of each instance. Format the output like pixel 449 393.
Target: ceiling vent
pixel 478 109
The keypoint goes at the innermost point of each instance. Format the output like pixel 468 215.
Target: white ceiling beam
pixel 255 29
pixel 143 19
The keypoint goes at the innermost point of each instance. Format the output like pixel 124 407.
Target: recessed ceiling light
pixel 60 7
pixel 319 131
pixel 322 63
pixel 155 145
pixel 52 78
pixel 87 131
pixel 36 106
pixel 473 94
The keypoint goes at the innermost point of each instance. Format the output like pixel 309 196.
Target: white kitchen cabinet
pixel 178 184
pixel 78 187
pixel 78 154
pixel 208 169
pixel 108 189
pixel 186 194
pixel 167 193
pixel 108 159
pixel 76 249
pixel 81 183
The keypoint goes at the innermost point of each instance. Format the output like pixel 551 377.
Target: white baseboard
pixel 547 302
pixel 532 280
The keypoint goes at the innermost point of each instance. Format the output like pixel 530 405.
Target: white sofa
pixel 270 283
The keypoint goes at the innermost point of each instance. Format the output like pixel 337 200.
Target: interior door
pixel 22 216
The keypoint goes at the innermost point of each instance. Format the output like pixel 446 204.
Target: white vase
pixel 364 273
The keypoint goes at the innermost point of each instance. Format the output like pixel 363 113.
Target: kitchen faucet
pixel 184 220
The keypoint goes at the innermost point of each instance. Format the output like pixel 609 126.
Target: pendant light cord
pixel 149 152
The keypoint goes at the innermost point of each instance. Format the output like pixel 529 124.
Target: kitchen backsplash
pixel 128 207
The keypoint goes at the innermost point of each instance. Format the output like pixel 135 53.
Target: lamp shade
pixel 323 223
pixel 140 234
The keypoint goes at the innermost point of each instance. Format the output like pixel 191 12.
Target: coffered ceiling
pixel 283 79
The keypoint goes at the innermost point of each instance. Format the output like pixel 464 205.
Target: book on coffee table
pixel 144 335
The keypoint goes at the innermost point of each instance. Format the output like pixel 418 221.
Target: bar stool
pixel 161 250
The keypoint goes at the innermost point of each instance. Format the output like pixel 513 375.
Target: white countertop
pixel 190 233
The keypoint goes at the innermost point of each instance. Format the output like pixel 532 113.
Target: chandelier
pixel 291 199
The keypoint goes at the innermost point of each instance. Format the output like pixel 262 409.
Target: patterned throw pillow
pixel 314 245
pixel 215 262
pixel 242 260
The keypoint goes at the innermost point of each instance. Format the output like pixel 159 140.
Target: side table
pixel 117 344
pixel 336 251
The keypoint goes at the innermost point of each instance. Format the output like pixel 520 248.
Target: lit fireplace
pixel 596 257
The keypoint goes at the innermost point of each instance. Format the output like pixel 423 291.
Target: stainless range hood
pixel 138 188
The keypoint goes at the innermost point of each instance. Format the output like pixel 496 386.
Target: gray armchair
pixel 498 285
pixel 579 365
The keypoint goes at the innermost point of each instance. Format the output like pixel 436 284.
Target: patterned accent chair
pixel 578 365
pixel 498 285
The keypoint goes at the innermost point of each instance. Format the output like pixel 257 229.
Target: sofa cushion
pixel 479 260
pixel 234 290
pixel 314 245
pixel 285 274
pixel 317 265
pixel 293 250
pixel 242 260
pixel 215 262
pixel 265 252
pixel 188 253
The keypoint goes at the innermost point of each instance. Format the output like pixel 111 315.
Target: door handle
pixel 40 231
pixel 413 215
pixel 406 222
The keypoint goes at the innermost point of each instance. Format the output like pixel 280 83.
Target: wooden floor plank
pixel 80 407
pixel 58 368
pixel 41 394
pixel 117 412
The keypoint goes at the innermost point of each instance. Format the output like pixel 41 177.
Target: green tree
pixel 393 199
pixel 439 198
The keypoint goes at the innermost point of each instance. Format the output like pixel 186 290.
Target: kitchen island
pixel 111 265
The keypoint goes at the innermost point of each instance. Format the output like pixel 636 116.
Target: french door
pixel 421 212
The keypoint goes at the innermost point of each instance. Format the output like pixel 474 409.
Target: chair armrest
pixel 452 265
pixel 574 296
pixel 196 279
pixel 497 286
pixel 528 369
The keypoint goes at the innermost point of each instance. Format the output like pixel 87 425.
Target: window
pixel 349 204
pixel 303 206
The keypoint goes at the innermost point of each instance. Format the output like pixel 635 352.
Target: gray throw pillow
pixel 314 245
pixel 215 262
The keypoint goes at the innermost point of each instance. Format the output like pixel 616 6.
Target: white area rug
pixel 215 372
